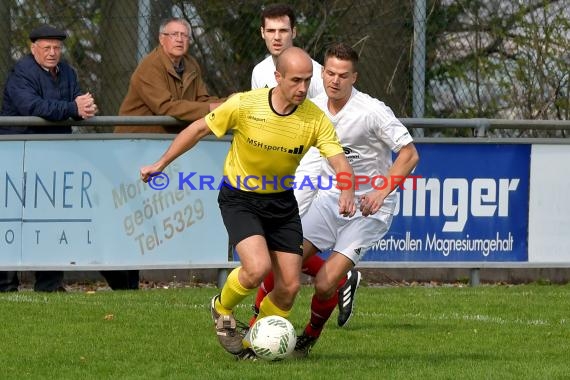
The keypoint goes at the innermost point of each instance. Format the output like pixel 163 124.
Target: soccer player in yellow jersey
pixel 273 129
pixel 278 30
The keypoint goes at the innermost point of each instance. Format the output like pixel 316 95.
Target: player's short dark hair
pixel 276 11
pixel 344 52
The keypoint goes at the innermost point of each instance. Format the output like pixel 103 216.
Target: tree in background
pixel 227 40
pixel 497 59
pixel 485 58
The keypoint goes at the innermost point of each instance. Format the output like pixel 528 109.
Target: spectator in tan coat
pixel 168 81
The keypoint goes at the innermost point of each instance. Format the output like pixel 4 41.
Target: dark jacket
pixel 156 89
pixel 31 90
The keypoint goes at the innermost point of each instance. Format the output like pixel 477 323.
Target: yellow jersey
pixel 267 147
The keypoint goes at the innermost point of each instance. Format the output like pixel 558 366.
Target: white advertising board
pixel 11 184
pixel 549 204
pixel 83 205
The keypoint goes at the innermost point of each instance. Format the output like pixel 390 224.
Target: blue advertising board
pixel 466 203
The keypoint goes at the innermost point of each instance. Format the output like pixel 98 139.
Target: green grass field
pixel 447 332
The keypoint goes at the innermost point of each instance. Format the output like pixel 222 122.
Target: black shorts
pixel 274 216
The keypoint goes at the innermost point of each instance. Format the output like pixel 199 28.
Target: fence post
pixel 419 63
pixel 222 277
pixel 474 277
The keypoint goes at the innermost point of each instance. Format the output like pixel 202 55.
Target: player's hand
pixel 147 171
pixel 346 204
pixel 371 202
pixel 213 106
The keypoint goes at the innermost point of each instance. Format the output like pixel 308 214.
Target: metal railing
pixel 477 123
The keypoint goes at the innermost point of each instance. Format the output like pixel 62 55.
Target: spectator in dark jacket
pixel 40 84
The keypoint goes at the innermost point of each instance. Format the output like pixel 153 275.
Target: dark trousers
pixel 46 281
pixel 121 279
pixel 52 281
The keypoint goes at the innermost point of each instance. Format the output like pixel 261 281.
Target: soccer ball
pixel 273 338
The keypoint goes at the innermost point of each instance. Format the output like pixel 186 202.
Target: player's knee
pixel 254 275
pixel 294 289
pixel 288 291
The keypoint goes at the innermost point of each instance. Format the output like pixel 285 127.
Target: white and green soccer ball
pixel 273 338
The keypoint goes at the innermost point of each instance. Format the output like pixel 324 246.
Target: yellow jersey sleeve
pixel 224 117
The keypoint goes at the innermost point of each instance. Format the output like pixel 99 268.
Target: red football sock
pixel 312 265
pixel 321 311
pixel 263 290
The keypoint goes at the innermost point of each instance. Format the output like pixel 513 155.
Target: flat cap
pixel 47 32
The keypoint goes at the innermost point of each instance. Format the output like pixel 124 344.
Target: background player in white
pixel 278 30
pixel 369 133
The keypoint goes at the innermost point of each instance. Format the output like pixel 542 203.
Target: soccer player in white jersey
pixel 369 133
pixel 278 31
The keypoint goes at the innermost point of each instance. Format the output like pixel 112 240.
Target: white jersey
pixel 263 75
pixel 369 133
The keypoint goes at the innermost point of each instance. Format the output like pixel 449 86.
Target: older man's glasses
pixel 49 48
pixel 176 36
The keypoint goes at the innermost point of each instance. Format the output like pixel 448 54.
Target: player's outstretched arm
pixel 183 142
pixel 346 205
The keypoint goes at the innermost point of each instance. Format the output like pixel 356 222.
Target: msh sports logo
pixel 470 203
pixel 275 148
